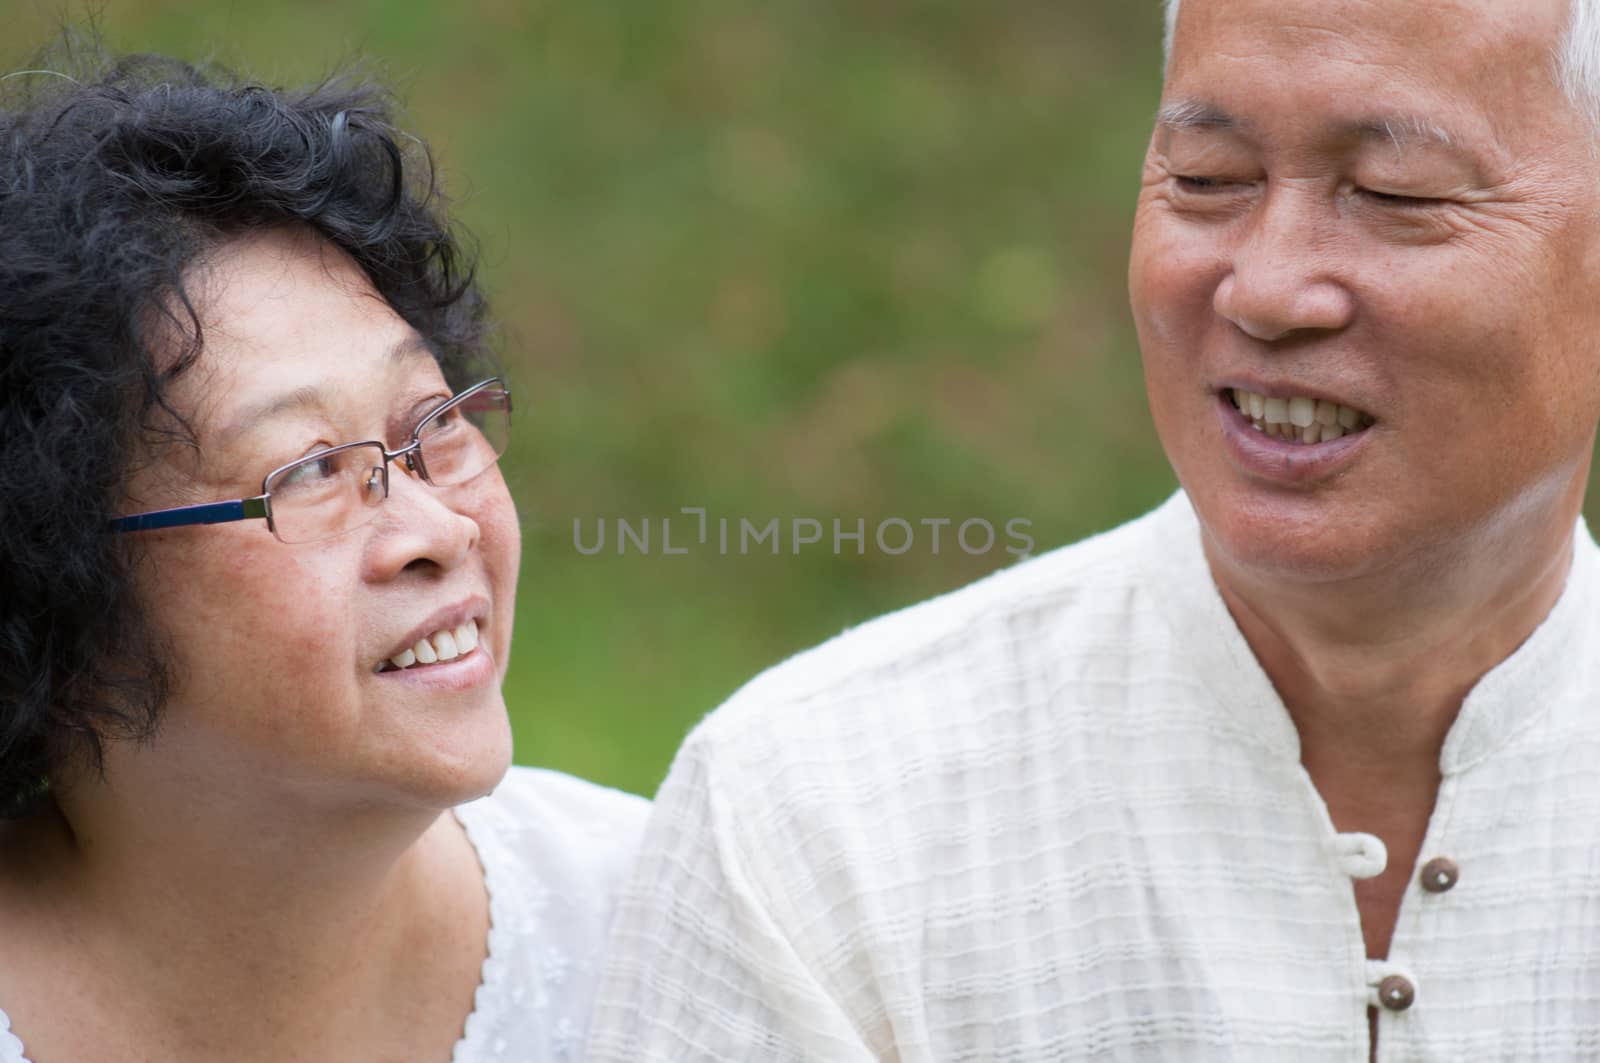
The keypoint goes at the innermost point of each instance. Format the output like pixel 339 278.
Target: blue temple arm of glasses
pixel 206 513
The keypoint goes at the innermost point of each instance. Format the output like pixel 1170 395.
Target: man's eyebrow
pixel 1194 114
pixel 1400 130
pixel 1397 129
pixel 309 396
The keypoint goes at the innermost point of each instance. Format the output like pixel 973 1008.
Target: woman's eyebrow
pixel 310 396
pixel 307 396
pixel 408 347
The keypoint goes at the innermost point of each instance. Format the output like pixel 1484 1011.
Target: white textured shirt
pixel 1061 815
pixel 554 852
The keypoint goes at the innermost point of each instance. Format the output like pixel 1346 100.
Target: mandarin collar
pixel 1551 664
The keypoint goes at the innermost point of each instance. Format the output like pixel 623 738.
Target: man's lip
pixel 1280 461
pixel 451 616
pixel 1291 390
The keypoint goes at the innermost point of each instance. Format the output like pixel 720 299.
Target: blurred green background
pixel 797 259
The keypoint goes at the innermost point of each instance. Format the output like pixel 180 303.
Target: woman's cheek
pixel 263 620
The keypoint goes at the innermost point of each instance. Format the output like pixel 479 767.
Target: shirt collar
pixel 1553 664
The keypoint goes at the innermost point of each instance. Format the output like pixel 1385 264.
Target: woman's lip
pixel 469 670
pixel 1279 460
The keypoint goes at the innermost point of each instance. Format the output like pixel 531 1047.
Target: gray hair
pixel 1576 58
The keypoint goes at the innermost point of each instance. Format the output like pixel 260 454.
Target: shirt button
pixel 1396 992
pixel 1439 874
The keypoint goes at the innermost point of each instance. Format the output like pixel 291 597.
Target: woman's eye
pixel 309 472
pixel 442 424
pixel 424 411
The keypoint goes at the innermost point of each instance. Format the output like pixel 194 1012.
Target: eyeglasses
pixel 339 489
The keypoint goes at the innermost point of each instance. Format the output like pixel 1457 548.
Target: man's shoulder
pixel 959 657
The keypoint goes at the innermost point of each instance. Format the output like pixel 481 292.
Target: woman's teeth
pixel 445 644
pixel 1300 419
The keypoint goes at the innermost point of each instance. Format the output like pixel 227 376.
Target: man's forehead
pixel 1376 30
pixel 1473 76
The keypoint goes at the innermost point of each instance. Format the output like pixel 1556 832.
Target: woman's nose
pixel 426 523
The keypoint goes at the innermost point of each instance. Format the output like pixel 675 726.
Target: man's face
pixel 1387 205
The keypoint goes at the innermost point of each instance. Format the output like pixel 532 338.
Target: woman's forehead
pixel 289 321
pixel 291 295
pixel 287 386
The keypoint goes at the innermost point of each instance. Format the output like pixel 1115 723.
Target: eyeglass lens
pixel 462 439
pixel 335 491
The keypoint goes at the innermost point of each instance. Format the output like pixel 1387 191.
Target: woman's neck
pixel 259 921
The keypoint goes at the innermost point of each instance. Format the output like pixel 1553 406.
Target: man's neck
pixel 1374 673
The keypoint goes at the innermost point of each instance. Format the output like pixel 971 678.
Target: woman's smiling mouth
pixel 445 644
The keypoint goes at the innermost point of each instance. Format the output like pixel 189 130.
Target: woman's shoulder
pixel 539 798
pixel 562 823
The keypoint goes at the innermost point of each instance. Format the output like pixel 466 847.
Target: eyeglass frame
pixel 261 505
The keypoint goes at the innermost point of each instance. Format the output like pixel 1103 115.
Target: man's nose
pixel 1283 279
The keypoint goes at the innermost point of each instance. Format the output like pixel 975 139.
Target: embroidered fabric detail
pixel 553 849
pixel 10 1043
pixel 489 999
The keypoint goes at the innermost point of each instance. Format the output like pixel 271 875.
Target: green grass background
pixel 849 259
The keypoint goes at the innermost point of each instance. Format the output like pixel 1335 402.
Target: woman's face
pixel 279 649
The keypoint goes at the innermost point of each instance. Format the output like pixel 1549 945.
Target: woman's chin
pixel 463 762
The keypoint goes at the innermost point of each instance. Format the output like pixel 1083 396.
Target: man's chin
pixel 1300 538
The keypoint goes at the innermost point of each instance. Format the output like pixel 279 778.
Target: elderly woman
pixel 258 584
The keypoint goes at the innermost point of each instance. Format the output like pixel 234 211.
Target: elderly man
pixel 1301 766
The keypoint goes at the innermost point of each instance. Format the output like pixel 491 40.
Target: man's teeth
pixel 445 644
pixel 1299 418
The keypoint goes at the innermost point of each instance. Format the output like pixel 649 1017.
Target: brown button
pixel 1439 874
pixel 1396 992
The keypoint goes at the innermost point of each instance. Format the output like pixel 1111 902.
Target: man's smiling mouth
pixel 1299 419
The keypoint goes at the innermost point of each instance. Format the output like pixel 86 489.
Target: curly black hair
pixel 116 177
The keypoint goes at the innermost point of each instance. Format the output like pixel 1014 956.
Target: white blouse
pixel 554 849
pixel 1061 815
